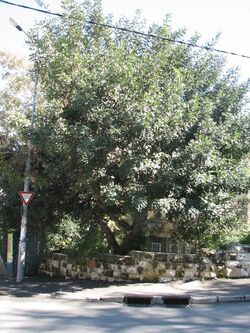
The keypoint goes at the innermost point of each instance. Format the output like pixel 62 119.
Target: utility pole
pixel 24 220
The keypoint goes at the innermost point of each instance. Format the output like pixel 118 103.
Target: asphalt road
pixel 26 315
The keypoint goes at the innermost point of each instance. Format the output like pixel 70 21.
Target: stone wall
pixel 150 267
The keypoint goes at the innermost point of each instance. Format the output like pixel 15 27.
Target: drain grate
pixel 172 300
pixel 176 300
pixel 137 300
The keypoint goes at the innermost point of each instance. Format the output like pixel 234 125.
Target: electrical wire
pixel 207 48
pixel 31 8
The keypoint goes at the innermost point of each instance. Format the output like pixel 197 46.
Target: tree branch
pixel 122 223
pixel 109 235
pixel 131 241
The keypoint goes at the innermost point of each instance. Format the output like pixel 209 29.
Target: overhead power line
pixel 207 48
pixel 31 8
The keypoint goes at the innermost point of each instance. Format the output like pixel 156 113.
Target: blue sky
pixel 229 17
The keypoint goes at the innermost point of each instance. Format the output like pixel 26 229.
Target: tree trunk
pixel 134 238
pixel 110 236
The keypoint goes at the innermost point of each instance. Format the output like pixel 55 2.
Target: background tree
pixel 14 106
pixel 15 109
pixel 135 125
pixel 47 214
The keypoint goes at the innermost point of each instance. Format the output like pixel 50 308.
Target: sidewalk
pixel 205 291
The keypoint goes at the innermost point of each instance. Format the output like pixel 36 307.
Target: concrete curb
pixel 141 299
pixel 218 299
pixel 158 300
pixel 174 300
pixel 116 299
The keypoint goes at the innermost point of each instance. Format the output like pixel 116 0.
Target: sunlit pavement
pixel 26 315
pixel 95 290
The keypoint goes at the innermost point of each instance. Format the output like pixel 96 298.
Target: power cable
pixel 31 8
pixel 207 48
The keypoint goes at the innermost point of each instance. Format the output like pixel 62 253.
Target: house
pixel 159 238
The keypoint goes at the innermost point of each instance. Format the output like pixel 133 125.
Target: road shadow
pixel 56 287
pixel 43 316
pixel 32 286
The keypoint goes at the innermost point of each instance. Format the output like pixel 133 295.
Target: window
pixel 156 247
pixel 179 247
pixel 174 248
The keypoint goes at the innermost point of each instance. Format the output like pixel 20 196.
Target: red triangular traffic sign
pixel 26 197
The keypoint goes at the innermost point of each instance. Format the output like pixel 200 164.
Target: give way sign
pixel 26 197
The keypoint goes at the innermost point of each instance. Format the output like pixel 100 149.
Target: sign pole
pixel 23 230
pixel 22 245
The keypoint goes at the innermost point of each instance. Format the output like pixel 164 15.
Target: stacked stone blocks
pixel 149 267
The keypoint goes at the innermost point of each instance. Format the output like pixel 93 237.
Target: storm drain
pixel 137 300
pixel 157 300
pixel 176 300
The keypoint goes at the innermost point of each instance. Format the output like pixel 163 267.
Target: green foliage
pixel 14 106
pixel 146 124
pixel 70 238
pixel 245 239
pixel 134 124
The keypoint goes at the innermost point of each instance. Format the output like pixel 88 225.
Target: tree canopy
pixel 14 96
pixel 135 127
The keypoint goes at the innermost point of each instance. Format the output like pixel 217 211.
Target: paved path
pixel 96 290
pixel 29 315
